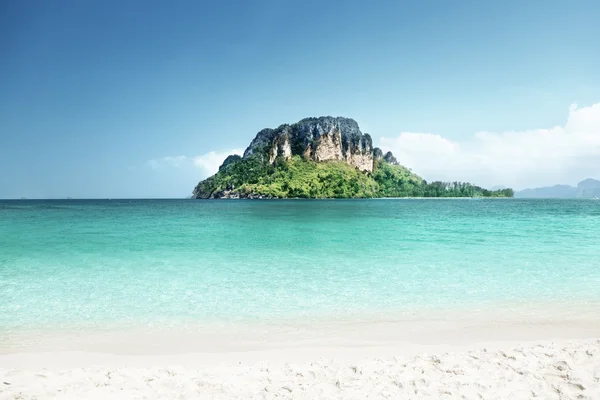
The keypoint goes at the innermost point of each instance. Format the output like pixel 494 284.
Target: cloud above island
pixel 211 161
pixel 539 157
pixel 167 162
pixel 208 163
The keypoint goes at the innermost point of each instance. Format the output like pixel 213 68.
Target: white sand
pixel 550 371
pixel 538 355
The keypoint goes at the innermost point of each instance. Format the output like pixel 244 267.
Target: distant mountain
pixel 588 188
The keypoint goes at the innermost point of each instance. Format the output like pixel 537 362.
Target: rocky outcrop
pixel 317 139
pixel 229 160
pixel 390 159
pixel 321 139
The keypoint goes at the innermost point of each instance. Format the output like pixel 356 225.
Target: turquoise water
pixel 139 261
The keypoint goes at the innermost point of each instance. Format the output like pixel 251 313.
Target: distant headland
pixel 586 189
pixel 326 157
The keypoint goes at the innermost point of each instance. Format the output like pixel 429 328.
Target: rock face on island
pixel 325 157
pixel 317 139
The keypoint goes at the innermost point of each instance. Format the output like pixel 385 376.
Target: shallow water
pixel 99 262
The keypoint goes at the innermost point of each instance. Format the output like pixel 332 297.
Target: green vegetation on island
pixel 323 158
pixel 296 177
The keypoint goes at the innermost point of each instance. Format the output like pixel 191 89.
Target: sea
pixel 95 263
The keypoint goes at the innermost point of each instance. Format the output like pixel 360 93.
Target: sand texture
pixel 552 370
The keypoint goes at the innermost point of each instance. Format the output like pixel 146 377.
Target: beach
pixel 549 355
pixel 559 370
pixel 299 200
pixel 168 299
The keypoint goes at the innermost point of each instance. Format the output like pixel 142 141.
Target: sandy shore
pixel 569 370
pixel 476 356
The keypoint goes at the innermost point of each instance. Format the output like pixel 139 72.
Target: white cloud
pixel 540 157
pixel 169 161
pixel 176 161
pixel 210 162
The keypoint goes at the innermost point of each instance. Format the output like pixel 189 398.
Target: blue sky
pixel 136 98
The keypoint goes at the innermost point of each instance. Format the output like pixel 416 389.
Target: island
pixel 325 157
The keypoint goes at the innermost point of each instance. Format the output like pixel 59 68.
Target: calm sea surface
pixel 141 261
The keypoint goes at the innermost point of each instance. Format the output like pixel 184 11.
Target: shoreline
pixel 405 331
pixel 548 352
pixel 356 198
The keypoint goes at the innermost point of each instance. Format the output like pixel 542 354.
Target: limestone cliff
pixel 315 157
pixel 387 157
pixel 323 157
pixel 317 139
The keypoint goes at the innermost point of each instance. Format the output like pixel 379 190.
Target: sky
pixel 145 98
